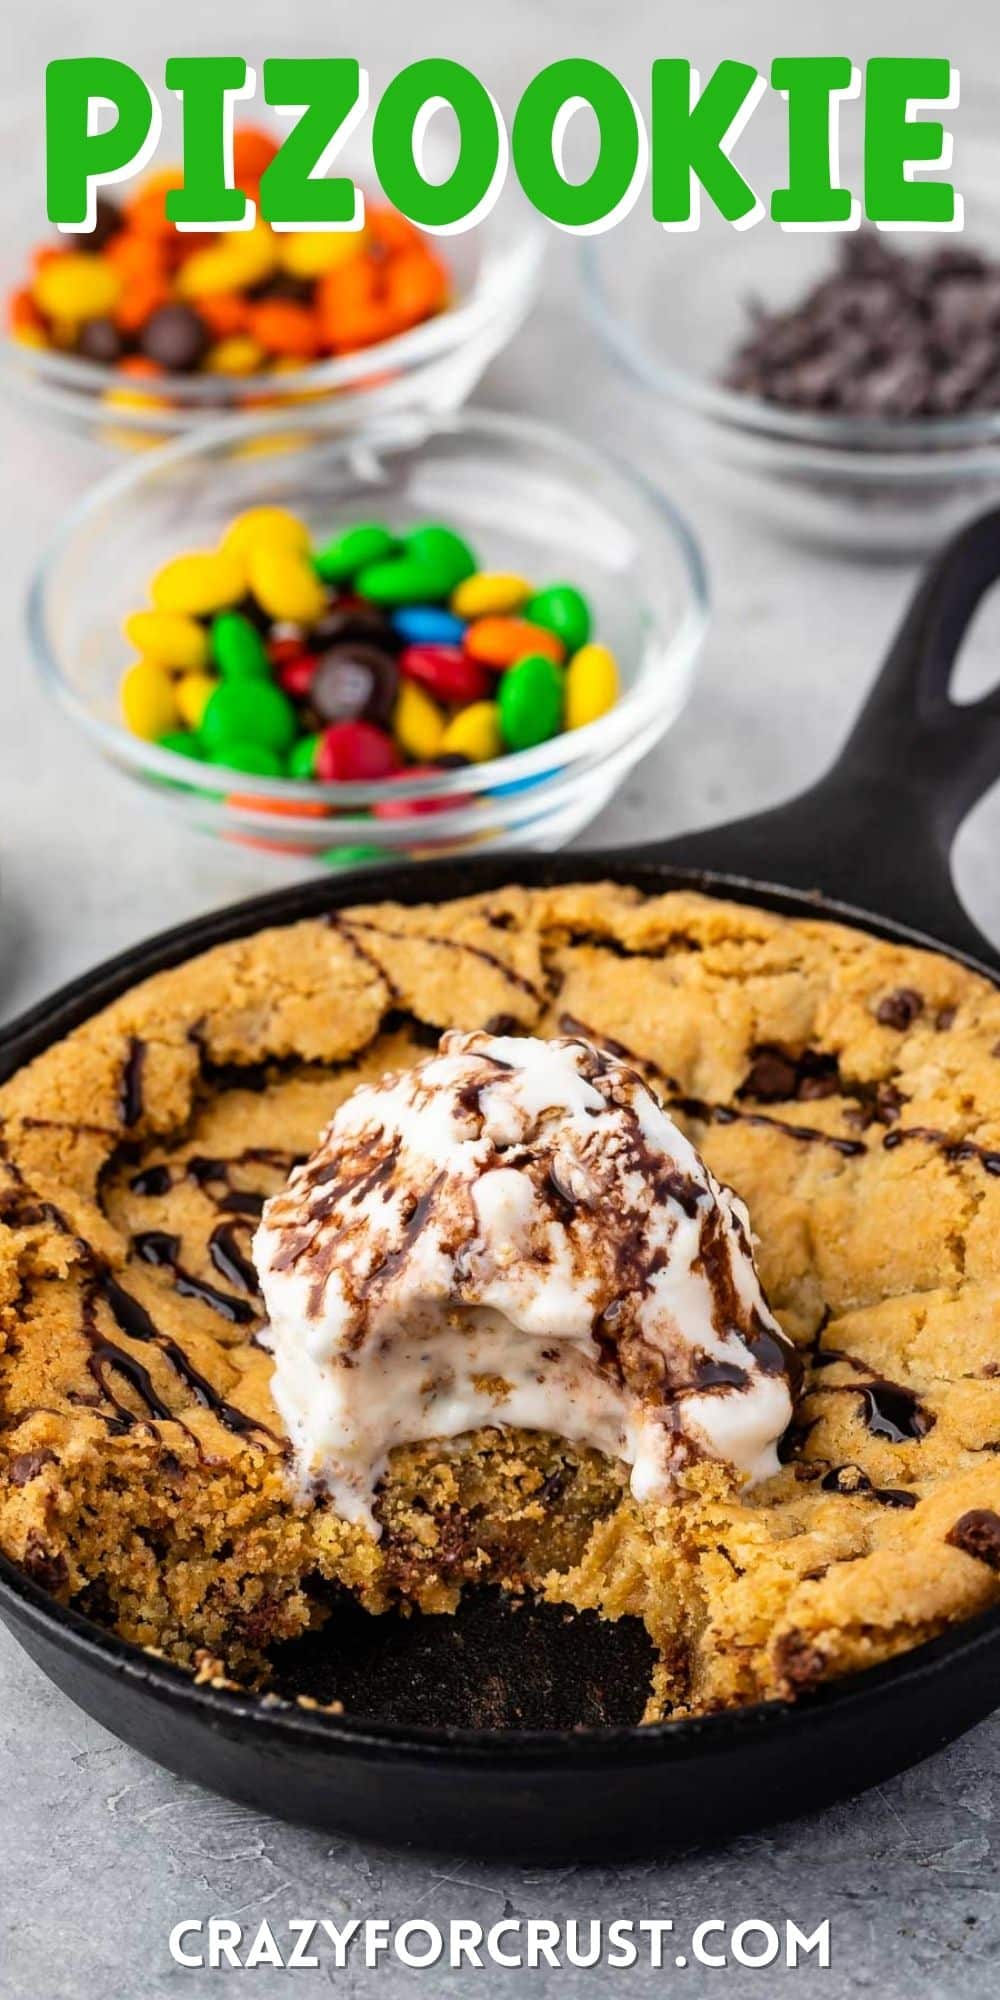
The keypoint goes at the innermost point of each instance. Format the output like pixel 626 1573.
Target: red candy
pixel 447 673
pixel 404 808
pixel 280 650
pixel 296 675
pixel 355 752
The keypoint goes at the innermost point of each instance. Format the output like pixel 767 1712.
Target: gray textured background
pixel 101 1852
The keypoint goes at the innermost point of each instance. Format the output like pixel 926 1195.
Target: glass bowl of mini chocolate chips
pixel 845 387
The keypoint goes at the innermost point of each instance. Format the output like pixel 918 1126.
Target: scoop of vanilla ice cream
pixel 515 1232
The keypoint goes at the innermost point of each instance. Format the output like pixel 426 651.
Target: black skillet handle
pixel 877 830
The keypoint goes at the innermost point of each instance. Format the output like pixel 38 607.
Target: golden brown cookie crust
pixel 848 1088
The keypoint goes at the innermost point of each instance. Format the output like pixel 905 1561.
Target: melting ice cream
pixel 515 1232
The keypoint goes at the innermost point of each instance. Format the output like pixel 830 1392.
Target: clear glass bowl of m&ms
pixel 427 638
pixel 136 331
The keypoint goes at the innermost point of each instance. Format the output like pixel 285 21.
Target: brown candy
pixel 176 337
pixel 352 618
pixel 100 340
pixel 355 683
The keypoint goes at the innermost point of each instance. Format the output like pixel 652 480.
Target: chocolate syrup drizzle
pixel 230 1258
pixel 350 926
pixel 130 1104
pixel 851 1481
pixel 138 1324
pixel 160 1249
pixel 888 1409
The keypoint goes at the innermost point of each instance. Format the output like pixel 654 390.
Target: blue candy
pixel 427 625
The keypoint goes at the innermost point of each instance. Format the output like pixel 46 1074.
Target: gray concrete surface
pixel 100 1852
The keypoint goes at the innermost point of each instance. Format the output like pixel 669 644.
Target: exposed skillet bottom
pixel 542 1790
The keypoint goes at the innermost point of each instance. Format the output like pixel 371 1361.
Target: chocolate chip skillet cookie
pixel 163 1438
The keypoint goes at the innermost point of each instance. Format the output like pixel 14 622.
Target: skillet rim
pixel 277 1719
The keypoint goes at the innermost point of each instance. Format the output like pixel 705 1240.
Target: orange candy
pixel 390 230
pixel 147 211
pixel 225 313
pixel 45 253
pixel 418 287
pixel 253 150
pixel 499 642
pixel 284 808
pixel 284 327
pixel 141 296
pixel 23 315
pixel 136 256
pixel 140 365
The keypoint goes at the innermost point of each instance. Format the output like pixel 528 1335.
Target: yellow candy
pixel 592 685
pixel 284 584
pixel 418 724
pixel 207 580
pixel 193 693
pixel 487 595
pixel 76 287
pixel 474 733
pixel 239 355
pixel 307 253
pixel 266 527
pixel 244 259
pixel 169 638
pixel 148 701
pixel 131 399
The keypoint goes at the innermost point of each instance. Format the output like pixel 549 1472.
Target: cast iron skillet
pixel 876 833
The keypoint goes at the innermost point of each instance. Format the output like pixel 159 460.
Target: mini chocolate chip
pixel 176 337
pixel 503 1024
pixel 798 1661
pixel 45 1566
pixel 771 1078
pixel 901 1008
pixel 778 1074
pixel 883 335
pixel 100 340
pixel 889 1103
pixel 977 1534
pixel 27 1466
pixel 945 1018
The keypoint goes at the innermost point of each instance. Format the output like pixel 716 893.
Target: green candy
pixel 561 609
pixel 351 857
pixel 253 757
pixel 302 761
pixel 405 581
pixel 237 648
pixel 442 549
pixel 530 700
pixel 181 742
pixel 434 561
pixel 249 711
pixel 355 549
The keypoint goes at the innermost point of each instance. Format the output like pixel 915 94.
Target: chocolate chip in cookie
pixel 901 1008
pixel 27 1466
pixel 977 1534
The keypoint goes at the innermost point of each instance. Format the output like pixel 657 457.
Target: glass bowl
pixel 672 316
pixel 529 499
pixel 495 271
